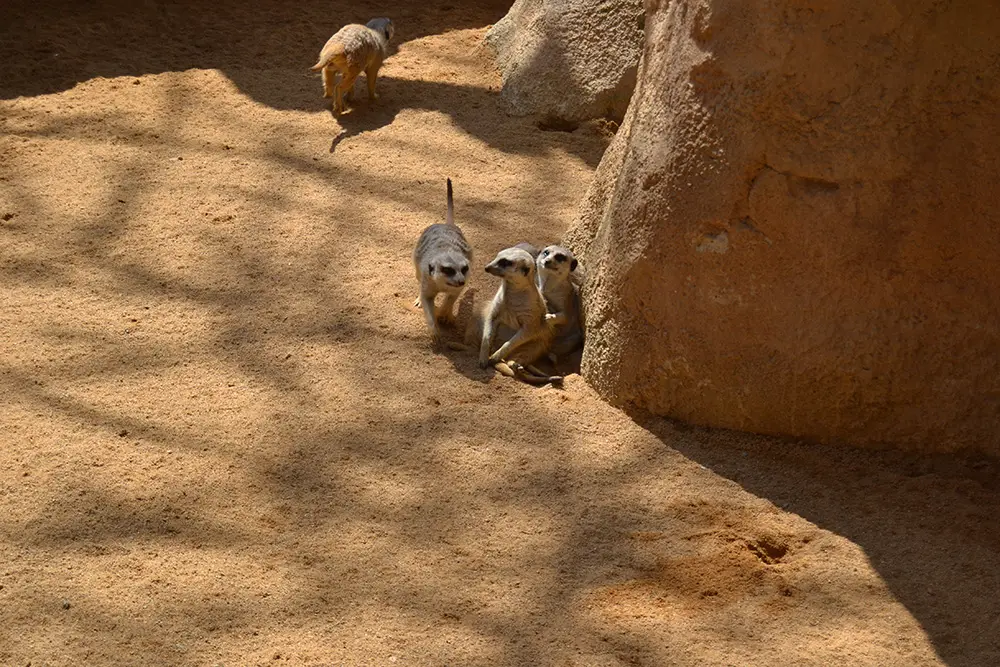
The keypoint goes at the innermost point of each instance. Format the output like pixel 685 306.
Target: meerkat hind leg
pixel 504 369
pixel 329 81
pixel 371 74
pixel 346 84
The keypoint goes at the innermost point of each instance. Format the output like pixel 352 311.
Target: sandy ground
pixel 227 440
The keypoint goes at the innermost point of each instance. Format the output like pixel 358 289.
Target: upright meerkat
pixel 354 49
pixel 529 248
pixel 560 286
pixel 441 260
pixel 518 305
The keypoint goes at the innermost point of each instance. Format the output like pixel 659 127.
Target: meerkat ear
pixel 572 266
pixel 525 270
pixel 430 269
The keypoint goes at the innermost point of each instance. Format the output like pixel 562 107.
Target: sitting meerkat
pixel 354 49
pixel 441 259
pixel 518 305
pixel 529 248
pixel 559 281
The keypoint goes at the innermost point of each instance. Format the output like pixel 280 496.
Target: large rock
pixel 796 230
pixel 570 60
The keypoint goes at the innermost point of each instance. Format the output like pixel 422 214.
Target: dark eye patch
pixel 448 271
pixel 503 263
pixel 465 269
pixel 560 257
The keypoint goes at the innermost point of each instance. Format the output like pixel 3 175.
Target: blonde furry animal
pixel 352 50
pixel 517 306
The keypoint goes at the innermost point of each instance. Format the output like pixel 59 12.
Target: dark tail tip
pixel 450 219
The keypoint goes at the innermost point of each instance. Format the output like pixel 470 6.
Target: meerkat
pixel 518 305
pixel 559 283
pixel 441 259
pixel 529 248
pixel 354 49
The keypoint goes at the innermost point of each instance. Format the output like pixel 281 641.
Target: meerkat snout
pixel 454 275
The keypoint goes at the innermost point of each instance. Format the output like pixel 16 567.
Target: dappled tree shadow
pixel 46 48
pixel 277 473
pixel 50 45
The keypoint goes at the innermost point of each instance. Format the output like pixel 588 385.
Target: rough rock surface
pixel 796 229
pixel 570 60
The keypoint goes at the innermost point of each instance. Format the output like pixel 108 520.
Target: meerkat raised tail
pixel 352 50
pixel 559 282
pixel 519 306
pixel 441 260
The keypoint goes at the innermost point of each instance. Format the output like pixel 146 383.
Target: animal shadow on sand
pixel 362 116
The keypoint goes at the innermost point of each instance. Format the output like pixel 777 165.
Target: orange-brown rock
pixel 797 229
pixel 570 60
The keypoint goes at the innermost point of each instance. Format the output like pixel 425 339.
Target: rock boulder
pixel 796 230
pixel 568 60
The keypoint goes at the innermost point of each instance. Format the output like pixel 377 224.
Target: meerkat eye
pixel 448 271
pixel 503 263
pixel 465 269
pixel 560 257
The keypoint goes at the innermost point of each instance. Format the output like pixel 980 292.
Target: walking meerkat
pixel 559 282
pixel 352 50
pixel 441 260
pixel 517 306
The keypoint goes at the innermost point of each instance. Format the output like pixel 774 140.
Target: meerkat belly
pixel 526 309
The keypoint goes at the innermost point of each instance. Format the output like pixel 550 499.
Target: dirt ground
pixel 226 439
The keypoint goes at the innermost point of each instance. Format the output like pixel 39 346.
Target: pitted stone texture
pixel 796 230
pixel 571 60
